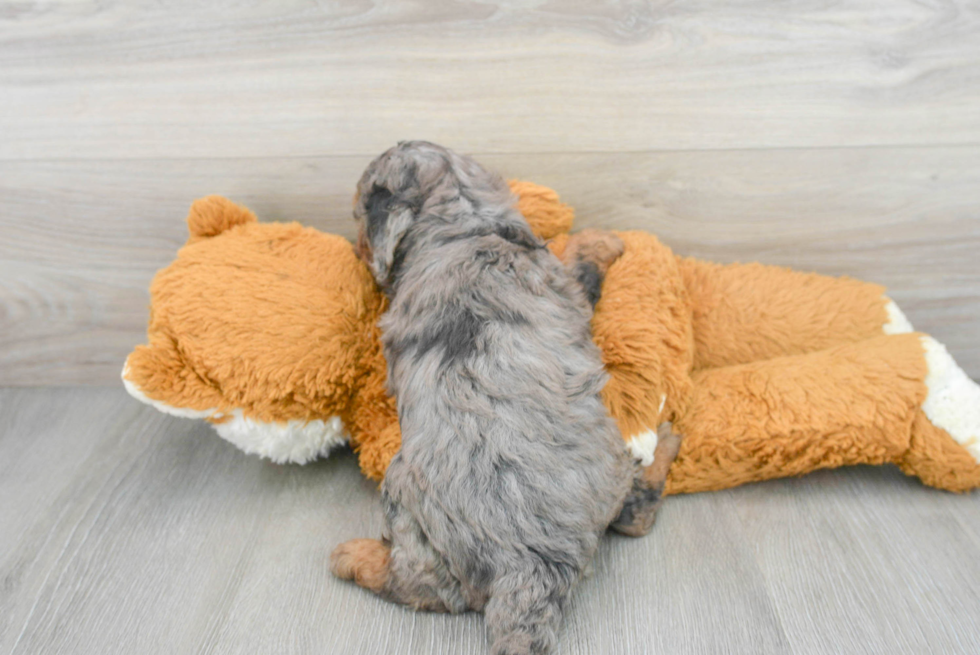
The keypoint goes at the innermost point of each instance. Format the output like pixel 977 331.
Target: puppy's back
pixel 507 450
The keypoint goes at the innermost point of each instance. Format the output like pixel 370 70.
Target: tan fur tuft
pixel 212 215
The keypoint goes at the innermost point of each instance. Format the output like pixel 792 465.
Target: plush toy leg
pixel 945 446
pixel 861 403
pixel 749 312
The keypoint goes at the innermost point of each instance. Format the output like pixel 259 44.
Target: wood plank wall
pixel 837 137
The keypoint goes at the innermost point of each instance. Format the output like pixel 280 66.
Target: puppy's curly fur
pixel 510 468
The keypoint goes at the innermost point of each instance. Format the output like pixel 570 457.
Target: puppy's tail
pixel 525 611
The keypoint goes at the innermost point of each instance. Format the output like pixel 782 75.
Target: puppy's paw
pixel 668 444
pixel 640 508
pixel 365 561
pixel 599 247
pixel 588 256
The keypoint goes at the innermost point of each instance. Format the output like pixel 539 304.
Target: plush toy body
pixel 270 332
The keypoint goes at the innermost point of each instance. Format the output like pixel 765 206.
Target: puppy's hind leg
pixel 525 611
pixel 640 509
pixel 396 575
pixel 365 561
pixel 404 569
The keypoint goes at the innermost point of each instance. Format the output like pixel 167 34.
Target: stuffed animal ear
pixel 212 215
pixel 546 214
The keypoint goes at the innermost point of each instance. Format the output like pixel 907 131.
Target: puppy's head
pixel 410 181
pixel 390 197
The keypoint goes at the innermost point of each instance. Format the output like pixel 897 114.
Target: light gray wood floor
pixel 127 531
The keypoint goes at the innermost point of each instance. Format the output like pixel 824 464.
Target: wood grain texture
pixel 853 532
pixel 81 240
pixel 127 531
pixel 87 80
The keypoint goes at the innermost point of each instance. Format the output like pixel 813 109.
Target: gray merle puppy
pixel 510 468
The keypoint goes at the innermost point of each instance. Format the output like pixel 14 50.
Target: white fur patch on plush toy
pixel 290 442
pixel 953 402
pixel 897 322
pixel 296 442
pixel 642 446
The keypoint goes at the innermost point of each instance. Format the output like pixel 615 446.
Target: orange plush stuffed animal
pixel 269 331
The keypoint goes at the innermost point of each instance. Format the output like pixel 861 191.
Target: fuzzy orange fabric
pixel 937 459
pixel 749 312
pixel 271 292
pixel 547 215
pixel 276 321
pixel 270 331
pixel 642 324
pixel 852 404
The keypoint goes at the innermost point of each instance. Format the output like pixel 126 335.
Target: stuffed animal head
pixel 260 328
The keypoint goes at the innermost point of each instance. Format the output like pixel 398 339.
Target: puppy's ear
pixel 387 218
pixel 377 206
